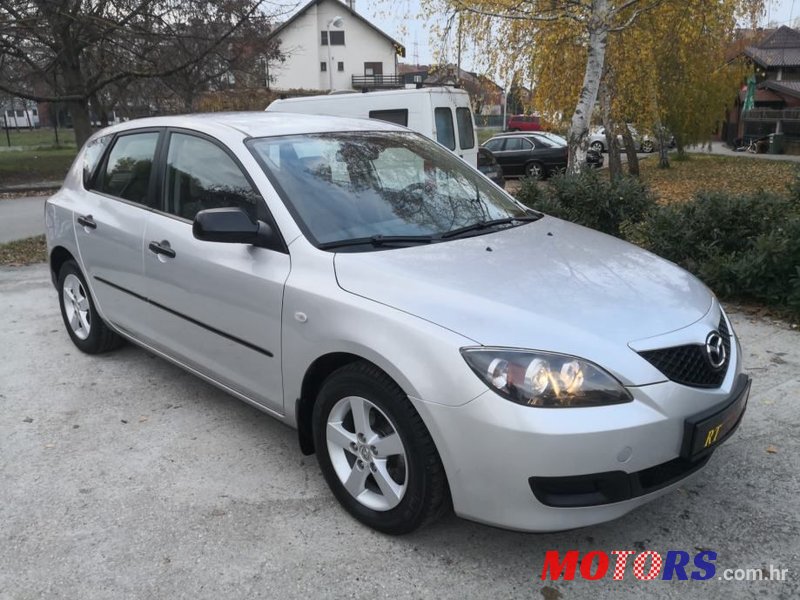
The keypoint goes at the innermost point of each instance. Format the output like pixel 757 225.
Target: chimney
pixel 351 4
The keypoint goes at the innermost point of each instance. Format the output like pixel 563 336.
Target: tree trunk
pixel 680 147
pixel 578 136
pixel 614 161
pixel 630 151
pixel 663 155
pixel 80 121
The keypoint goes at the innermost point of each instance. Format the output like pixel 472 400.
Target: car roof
pixel 257 124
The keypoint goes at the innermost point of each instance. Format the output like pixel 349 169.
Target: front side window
pixel 127 171
pixel 466 135
pixel 517 144
pixel 445 134
pixel 494 145
pixel 200 175
pixel 350 185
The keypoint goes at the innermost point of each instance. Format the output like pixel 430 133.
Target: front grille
pixel 689 365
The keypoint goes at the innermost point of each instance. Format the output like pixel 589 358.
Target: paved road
pixel 121 477
pixel 21 218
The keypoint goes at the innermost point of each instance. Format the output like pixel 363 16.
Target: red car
pixel 524 123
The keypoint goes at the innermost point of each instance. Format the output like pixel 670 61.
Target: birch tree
pixel 545 31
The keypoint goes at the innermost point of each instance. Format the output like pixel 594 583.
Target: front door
pixel 216 307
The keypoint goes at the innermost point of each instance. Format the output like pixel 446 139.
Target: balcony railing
pixel 377 81
pixel 767 114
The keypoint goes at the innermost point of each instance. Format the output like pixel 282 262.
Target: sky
pixel 399 19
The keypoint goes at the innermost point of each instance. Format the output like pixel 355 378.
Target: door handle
pixel 162 247
pixel 87 221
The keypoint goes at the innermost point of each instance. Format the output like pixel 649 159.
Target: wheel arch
pixel 315 375
pixel 58 256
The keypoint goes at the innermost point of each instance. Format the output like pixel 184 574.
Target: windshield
pixel 356 185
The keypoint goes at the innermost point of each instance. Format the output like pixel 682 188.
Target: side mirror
pixel 233 226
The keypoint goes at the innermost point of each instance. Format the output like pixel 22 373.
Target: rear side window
pixel 127 171
pixel 466 135
pixel 445 134
pixel 201 175
pixel 398 116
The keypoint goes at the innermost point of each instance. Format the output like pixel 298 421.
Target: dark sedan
pixel 533 155
pixel 487 164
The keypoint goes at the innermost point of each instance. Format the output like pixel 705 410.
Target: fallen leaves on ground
pixel 734 175
pixel 772 450
pixel 23 252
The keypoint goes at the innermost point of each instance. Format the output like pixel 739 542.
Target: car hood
pixel 548 285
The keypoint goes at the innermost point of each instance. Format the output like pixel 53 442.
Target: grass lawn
pixel 23 252
pixel 716 173
pixel 44 136
pixel 29 166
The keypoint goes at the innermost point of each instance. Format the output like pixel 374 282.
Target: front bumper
pixel 497 453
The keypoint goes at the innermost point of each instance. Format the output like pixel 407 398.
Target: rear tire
pixel 597 147
pixel 376 453
pixel 85 327
pixel 648 146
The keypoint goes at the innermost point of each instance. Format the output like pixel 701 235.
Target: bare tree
pixel 71 51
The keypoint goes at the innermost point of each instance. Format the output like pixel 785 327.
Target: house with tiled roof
pixel 774 56
pixel 329 46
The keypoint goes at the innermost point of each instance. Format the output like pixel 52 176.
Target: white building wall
pixel 301 43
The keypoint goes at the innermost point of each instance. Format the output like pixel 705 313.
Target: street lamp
pixel 334 22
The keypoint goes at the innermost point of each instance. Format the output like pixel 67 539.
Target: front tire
pixel 597 147
pixel 85 327
pixel 376 453
pixel 648 146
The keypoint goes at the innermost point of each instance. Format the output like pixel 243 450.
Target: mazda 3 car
pixel 437 344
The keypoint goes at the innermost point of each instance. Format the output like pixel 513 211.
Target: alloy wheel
pixel 367 453
pixel 76 306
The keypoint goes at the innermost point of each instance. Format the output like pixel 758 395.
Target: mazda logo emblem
pixel 715 349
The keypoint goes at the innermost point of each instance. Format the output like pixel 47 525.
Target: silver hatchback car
pixel 436 343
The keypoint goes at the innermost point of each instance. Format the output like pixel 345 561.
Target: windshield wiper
pixel 480 225
pixel 377 241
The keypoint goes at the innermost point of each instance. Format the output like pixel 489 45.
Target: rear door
pixel 110 225
pixel 216 307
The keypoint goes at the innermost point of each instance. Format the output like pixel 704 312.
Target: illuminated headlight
pixel 544 379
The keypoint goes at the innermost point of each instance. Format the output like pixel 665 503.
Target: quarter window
pixel 92 155
pixel 466 135
pixel 444 127
pixel 200 175
pixel 127 171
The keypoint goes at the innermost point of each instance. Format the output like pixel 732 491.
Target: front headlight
pixel 544 379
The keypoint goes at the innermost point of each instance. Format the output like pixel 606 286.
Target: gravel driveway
pixel 124 477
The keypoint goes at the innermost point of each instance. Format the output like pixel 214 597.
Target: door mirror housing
pixel 233 226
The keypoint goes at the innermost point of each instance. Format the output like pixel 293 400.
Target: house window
pixel 340 66
pixel 337 38
pixel 373 68
pixel 323 66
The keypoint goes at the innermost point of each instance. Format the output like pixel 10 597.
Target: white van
pixel 440 113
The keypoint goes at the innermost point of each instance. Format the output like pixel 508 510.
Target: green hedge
pixel 746 248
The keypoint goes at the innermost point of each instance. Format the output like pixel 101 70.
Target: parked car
pixel 524 123
pixel 488 165
pixel 433 340
pixel 593 158
pixel 644 141
pixel 532 155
